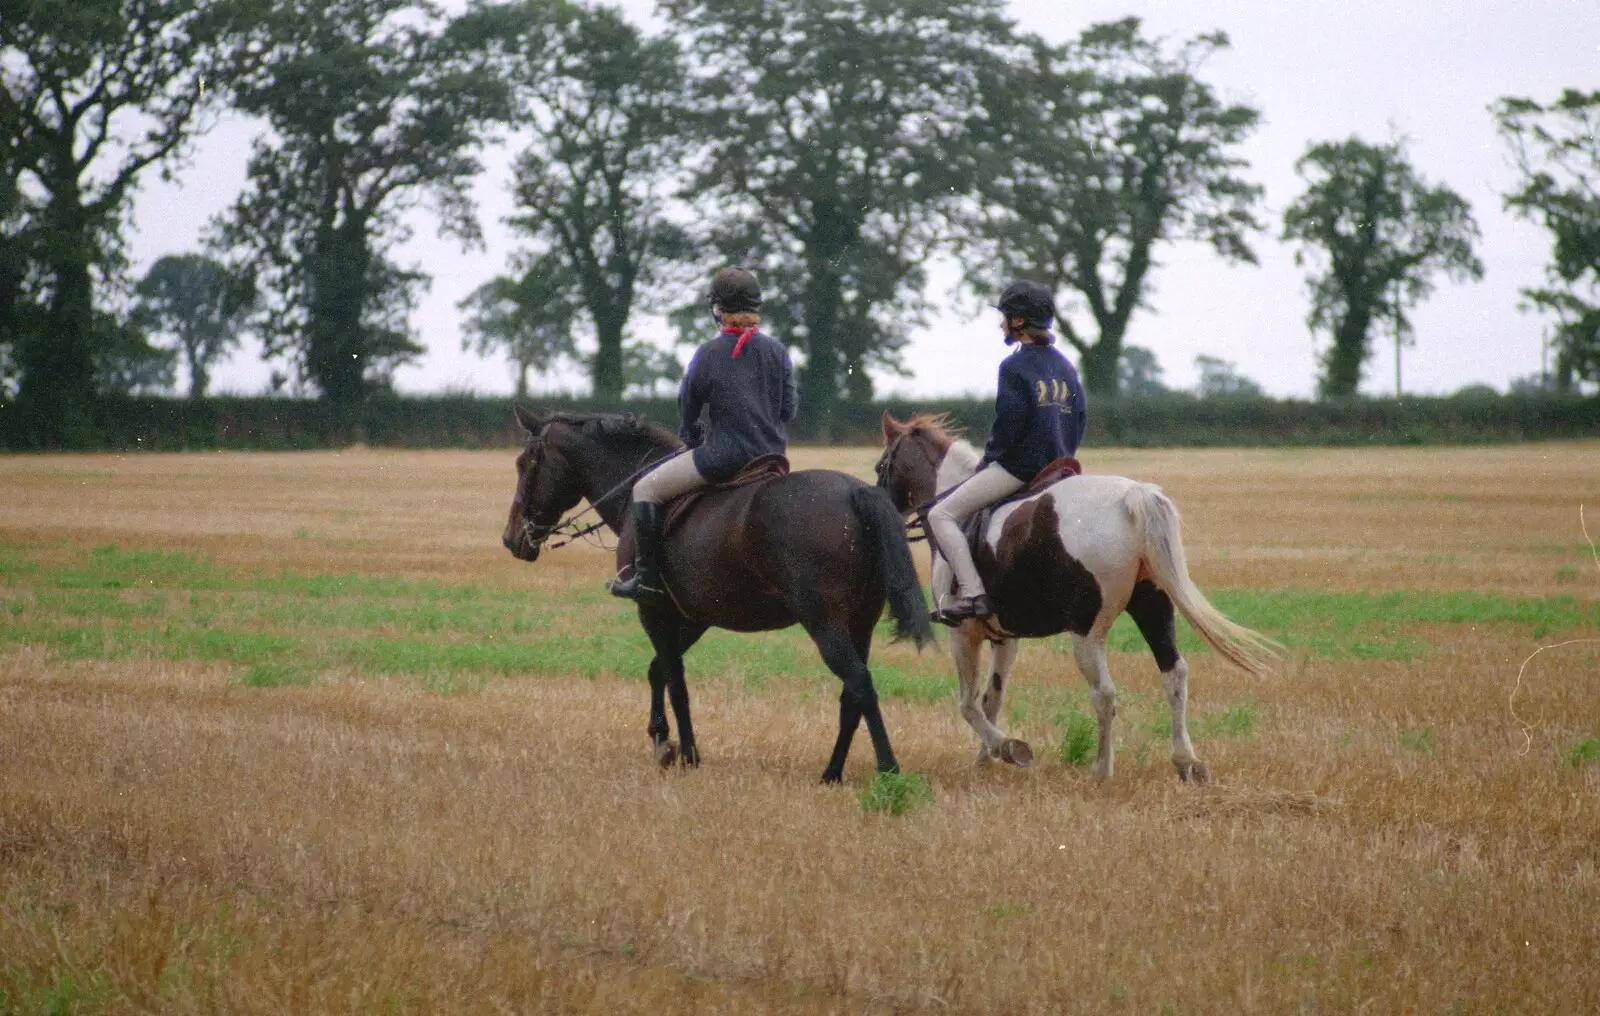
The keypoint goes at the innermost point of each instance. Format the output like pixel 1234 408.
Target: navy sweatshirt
pixel 750 399
pixel 1039 413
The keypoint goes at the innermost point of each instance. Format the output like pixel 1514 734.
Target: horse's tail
pixel 1156 517
pixel 891 554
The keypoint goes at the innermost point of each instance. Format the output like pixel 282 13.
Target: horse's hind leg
pixel 1151 610
pixel 857 701
pixel 1090 652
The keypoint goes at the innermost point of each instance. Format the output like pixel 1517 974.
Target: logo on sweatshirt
pixel 1055 392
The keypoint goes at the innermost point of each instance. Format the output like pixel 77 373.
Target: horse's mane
pixel 946 436
pixel 937 427
pixel 603 425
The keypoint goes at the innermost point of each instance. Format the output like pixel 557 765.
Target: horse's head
pixel 909 466
pixel 548 486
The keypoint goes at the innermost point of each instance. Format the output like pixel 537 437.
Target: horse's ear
pixel 891 429
pixel 531 422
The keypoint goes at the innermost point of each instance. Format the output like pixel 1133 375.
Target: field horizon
pixel 292 732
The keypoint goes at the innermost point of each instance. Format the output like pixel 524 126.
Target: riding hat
pixel 735 290
pixel 1029 301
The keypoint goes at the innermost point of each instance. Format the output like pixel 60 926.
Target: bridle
pixel 534 534
pixel 884 470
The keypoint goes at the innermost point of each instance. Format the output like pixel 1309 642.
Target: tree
pixel 1557 149
pixel 647 366
pixel 200 304
pixel 836 137
pixel 1099 151
pixel 125 363
pixel 92 94
pixel 1219 377
pixel 604 108
pixel 1139 374
pixel 1374 234
pixel 372 111
pixel 529 318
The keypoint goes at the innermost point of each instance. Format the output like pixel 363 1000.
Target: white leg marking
pixel 966 645
pixel 1090 652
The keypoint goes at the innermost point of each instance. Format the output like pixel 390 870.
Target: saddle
pixel 762 470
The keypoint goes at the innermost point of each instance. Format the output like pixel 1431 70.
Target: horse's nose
pixel 510 544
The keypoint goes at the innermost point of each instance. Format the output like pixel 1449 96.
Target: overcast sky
pixel 1318 71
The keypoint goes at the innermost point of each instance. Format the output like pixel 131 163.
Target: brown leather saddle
pixel 763 470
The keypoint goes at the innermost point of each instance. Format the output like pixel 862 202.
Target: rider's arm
pixel 1011 409
pixel 791 396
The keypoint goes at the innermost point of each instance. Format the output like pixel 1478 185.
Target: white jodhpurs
pixel 984 488
pixel 668 480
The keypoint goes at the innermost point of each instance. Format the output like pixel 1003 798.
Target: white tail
pixel 1156 517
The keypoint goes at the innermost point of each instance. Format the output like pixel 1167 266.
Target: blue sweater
pixel 749 399
pixel 1039 413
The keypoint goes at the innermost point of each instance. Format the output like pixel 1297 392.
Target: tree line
pixel 835 146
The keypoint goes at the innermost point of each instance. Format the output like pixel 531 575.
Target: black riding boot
pixel 646 577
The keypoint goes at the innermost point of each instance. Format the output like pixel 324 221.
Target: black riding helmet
pixel 735 291
pixel 1029 301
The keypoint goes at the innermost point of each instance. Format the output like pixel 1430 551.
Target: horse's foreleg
pixel 1002 657
pixel 1090 653
pixel 660 734
pixel 678 693
pixel 966 648
pixel 671 637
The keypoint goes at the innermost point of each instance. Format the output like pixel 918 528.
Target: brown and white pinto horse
pixel 1068 559
pixel 816 548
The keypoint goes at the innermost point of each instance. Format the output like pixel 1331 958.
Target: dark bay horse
pixel 1068 559
pixel 816 548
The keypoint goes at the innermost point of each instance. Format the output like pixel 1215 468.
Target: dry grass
pixel 1382 838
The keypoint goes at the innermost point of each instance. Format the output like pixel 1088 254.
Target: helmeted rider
pixel 744 380
pixel 1039 417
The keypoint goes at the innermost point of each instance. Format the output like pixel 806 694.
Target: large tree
pixel 1557 149
pixel 202 306
pixel 373 111
pixel 1374 234
pixel 92 94
pixel 602 106
pixel 836 135
pixel 1098 151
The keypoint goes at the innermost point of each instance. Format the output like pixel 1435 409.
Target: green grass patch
pixel 1080 737
pixel 1584 752
pixel 1420 740
pixel 896 794
pixel 277 675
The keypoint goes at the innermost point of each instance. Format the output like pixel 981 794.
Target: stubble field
pixel 292 733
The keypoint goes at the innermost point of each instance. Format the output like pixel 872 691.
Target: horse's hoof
pixel 666 754
pixel 1198 773
pixel 690 757
pixel 1015 752
pixel 830 777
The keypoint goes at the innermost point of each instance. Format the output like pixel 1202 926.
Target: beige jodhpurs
pixel 984 488
pixel 668 480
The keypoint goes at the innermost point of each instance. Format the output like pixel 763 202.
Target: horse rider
pixel 1039 417
pixel 744 380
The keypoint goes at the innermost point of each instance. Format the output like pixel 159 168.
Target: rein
pixel 568 528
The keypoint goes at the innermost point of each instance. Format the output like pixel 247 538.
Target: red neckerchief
pixel 744 336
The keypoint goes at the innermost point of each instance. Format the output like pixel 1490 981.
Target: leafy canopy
pixel 1373 234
